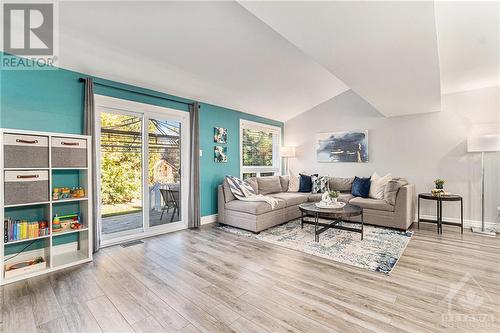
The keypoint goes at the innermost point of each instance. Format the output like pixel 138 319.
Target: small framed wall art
pixel 220 154
pixel 220 135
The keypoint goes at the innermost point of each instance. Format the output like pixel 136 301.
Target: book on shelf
pixel 15 230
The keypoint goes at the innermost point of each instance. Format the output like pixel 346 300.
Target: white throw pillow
pixel 378 184
pixel 293 184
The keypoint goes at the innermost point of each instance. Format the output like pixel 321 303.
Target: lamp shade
pixel 483 143
pixel 287 151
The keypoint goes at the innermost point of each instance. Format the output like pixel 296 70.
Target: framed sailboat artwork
pixel 351 146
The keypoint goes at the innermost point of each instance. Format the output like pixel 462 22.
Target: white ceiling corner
pixel 385 51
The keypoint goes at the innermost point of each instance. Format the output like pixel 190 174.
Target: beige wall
pixel 419 147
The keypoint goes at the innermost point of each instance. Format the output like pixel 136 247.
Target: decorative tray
pixel 330 206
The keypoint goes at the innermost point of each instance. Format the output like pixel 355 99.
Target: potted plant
pixel 439 183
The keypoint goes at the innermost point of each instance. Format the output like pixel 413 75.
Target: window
pixel 259 145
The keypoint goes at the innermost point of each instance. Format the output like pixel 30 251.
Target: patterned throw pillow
pixel 319 184
pixel 293 184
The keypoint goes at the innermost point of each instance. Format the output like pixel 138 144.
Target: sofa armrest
pixel 221 203
pixel 404 208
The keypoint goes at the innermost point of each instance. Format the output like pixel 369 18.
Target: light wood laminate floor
pixel 211 281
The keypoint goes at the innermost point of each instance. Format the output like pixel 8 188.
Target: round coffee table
pixel 336 216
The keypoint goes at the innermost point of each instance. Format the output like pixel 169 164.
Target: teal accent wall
pixel 52 100
pixel 212 174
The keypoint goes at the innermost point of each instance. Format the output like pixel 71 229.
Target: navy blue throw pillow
pixel 361 187
pixel 305 183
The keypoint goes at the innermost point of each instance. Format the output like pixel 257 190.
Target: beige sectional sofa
pixel 258 216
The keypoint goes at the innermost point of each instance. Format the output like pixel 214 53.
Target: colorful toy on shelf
pixel 55 194
pixel 15 230
pixel 56 224
pixel 63 193
pixel 66 223
pixel 75 225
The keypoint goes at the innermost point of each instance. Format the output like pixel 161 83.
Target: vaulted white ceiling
pixel 385 51
pixel 279 59
pixel 215 52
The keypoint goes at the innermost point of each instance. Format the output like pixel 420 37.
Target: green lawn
pixel 120 209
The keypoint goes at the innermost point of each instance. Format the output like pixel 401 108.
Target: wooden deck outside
pixel 132 221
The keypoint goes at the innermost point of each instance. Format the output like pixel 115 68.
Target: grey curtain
pixel 194 219
pixel 89 129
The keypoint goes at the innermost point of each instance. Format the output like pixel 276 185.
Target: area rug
pixel 379 251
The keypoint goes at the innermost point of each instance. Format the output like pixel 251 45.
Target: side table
pixel 439 210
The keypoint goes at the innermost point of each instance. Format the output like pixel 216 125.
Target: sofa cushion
pixel 305 183
pixel 368 203
pixel 290 198
pixel 284 180
pixel 361 187
pixel 269 184
pixel 293 182
pixel 345 197
pixel 228 195
pixel 253 207
pixel 377 187
pixel 314 197
pixel 340 184
pixel 392 188
pixel 319 184
pixel 252 181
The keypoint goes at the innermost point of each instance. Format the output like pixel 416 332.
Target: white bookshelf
pixel 56 253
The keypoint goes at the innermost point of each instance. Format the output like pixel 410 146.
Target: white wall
pixel 418 147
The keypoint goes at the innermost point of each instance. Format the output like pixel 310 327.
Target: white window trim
pixel 276 168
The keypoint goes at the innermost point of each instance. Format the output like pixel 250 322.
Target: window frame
pixel 276 132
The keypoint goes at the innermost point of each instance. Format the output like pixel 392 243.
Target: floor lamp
pixel 483 144
pixel 287 153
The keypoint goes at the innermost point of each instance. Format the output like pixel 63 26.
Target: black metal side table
pixel 439 210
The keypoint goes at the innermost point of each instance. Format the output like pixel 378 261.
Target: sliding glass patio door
pixel 121 190
pixel 164 171
pixel 143 152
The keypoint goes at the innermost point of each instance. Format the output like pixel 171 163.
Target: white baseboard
pixel 208 219
pixel 467 223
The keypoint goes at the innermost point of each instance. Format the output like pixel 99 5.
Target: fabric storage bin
pixel 26 151
pixel 23 187
pixel 69 153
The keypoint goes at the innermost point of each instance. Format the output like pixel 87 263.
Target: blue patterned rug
pixel 379 251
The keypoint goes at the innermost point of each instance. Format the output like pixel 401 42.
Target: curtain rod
pixel 137 92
